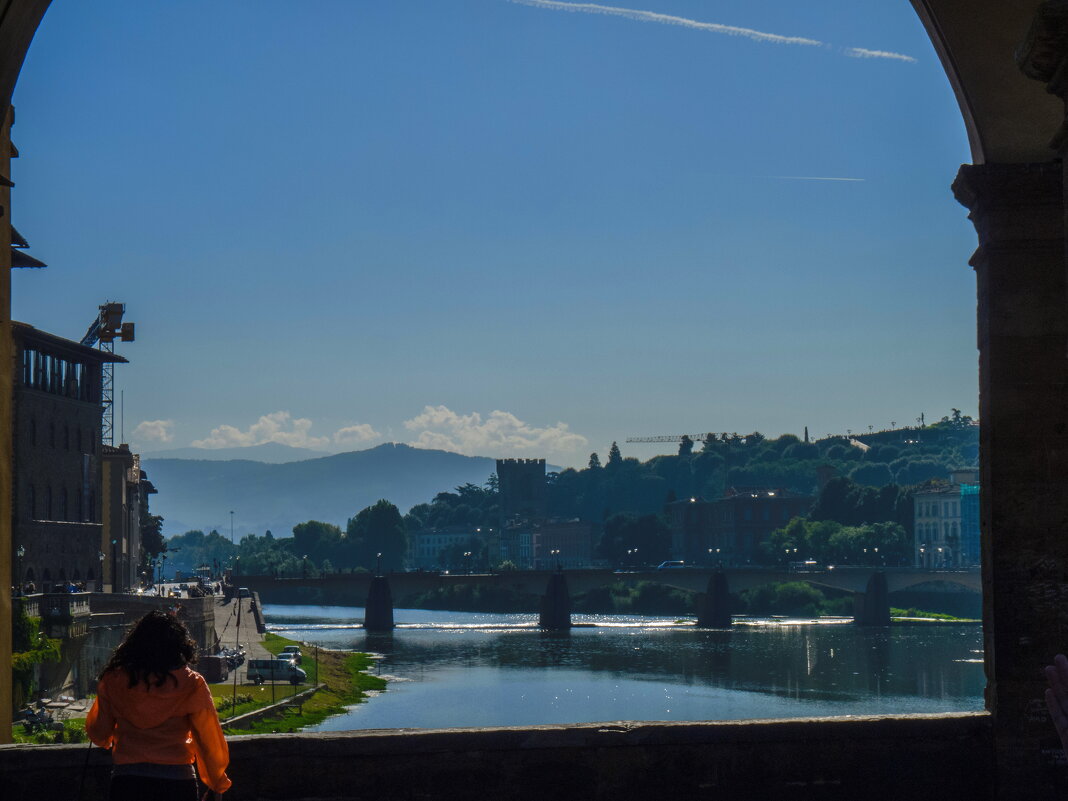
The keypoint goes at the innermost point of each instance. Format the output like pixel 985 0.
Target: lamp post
pixel 304 566
pixel 21 552
pixel 100 556
pixel 923 550
pixel 467 561
pixel 231 526
pixel 555 554
pixel 378 564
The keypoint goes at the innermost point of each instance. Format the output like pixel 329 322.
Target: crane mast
pixel 102 332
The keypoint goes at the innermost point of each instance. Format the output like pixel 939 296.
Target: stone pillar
pixel 7 447
pixel 1018 213
pixel 714 604
pixel 872 608
pixel 378 609
pixel 555 613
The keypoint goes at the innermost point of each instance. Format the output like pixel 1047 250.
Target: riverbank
pixel 342 678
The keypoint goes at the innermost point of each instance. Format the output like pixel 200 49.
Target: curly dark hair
pixel 157 644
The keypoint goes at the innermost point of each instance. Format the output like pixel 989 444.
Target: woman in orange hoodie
pixel 158 717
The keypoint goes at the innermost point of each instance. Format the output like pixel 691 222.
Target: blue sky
pixel 505 228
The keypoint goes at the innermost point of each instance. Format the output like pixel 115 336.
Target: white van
pixel 261 670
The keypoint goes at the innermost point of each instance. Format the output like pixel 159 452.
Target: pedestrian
pixel 157 716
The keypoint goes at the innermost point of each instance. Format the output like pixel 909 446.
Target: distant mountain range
pixel 270 452
pixel 199 492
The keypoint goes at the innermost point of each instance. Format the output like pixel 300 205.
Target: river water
pixel 449 669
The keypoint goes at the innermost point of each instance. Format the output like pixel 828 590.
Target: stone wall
pixel 917 757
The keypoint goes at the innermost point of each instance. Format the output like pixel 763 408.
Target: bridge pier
pixel 872 607
pixel 378 610
pixel 555 612
pixel 714 604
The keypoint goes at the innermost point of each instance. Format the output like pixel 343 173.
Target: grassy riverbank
pixel 342 674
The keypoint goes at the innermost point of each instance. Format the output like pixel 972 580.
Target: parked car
pixel 293 651
pixel 261 670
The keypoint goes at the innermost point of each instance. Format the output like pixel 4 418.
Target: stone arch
pixel 1014 196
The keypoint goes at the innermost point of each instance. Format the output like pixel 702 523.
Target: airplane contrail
pixel 710 27
pixel 667 19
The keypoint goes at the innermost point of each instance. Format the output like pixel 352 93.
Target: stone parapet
pixel 918 757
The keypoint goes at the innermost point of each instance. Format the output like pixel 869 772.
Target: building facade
pixel 56 508
pixel 947 522
pixel 435 549
pixel 125 490
pixel 731 530
pixel 566 544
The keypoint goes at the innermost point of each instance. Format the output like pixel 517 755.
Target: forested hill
pixel 906 457
pixel 195 494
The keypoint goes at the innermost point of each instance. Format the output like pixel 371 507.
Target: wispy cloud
pixel 639 15
pixel 816 178
pixel 499 434
pixel 863 52
pixel 667 19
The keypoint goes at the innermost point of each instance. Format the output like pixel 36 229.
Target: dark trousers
pixel 145 788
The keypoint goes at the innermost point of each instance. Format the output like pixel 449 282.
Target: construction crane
pixel 103 331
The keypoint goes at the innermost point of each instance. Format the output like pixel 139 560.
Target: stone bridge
pixel 869 585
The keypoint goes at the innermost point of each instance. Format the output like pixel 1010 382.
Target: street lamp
pixel 231 526
pixel 378 564
pixel 304 566
pixel 555 553
pixel 467 561
pixel 21 552
pixel 100 556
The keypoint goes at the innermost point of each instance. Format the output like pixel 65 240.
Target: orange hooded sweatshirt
pixel 168 725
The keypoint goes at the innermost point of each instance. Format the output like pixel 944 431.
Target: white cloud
pixel 275 427
pixel 154 431
pixel 667 19
pixel 863 52
pixel 355 435
pixel 499 434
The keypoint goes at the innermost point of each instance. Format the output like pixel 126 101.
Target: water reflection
pixel 458 669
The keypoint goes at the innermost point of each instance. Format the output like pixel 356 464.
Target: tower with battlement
pixel 521 483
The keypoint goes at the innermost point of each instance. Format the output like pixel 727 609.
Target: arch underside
pixel 1010 118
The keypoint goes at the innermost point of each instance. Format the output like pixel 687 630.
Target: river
pixel 450 669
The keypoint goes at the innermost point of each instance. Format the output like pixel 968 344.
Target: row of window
pixel 50 373
pixel 929 531
pixel 62 438
pixel 947 508
pixel 66 506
